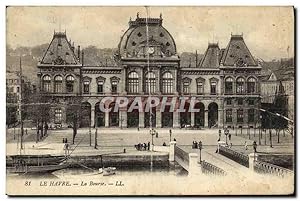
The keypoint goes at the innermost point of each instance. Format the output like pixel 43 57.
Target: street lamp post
pixel 170 132
pixel 270 132
pixel 152 133
pixel 200 148
pixel 96 131
pixel 90 134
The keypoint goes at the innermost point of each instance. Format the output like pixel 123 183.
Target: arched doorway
pixel 153 118
pixel 185 117
pixel 199 116
pixel 167 117
pixel 99 116
pixel 113 116
pixel 212 115
pixel 85 120
pixel 132 118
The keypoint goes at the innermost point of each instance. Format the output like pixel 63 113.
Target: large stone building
pixel 225 82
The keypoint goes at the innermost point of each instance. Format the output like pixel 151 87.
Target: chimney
pixel 78 53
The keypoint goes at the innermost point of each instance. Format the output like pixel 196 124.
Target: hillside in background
pixel 94 56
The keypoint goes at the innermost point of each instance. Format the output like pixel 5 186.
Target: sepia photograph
pixel 150 100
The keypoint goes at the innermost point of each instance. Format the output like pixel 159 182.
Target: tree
pixel 38 110
pixel 73 112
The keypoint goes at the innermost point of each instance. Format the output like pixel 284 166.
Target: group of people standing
pixel 142 146
pixel 196 144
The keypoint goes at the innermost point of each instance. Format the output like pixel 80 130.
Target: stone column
pixel 206 118
pixel 172 151
pixel 220 118
pixel 141 120
pixel 176 122
pixel 194 167
pixel 252 158
pixel 92 117
pixel 192 119
pixel 158 119
pixel 123 119
pixel 124 80
pixel 158 84
pixel 106 119
pixel 141 80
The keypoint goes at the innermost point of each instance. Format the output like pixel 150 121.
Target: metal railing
pixel 234 155
pixel 268 168
pixel 208 168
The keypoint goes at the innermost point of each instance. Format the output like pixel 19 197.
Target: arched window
pixel 240 82
pixel 70 84
pixel 150 82
pixel 46 83
pixel 229 85
pixel 58 84
pixel 133 82
pixel 251 85
pixel 167 83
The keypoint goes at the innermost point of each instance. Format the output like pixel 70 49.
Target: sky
pixel 267 31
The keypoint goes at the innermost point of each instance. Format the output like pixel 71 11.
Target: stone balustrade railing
pixel 234 155
pixel 268 168
pixel 208 168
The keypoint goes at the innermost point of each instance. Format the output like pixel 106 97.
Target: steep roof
pixel 135 38
pixel 60 51
pixel 237 53
pixel 211 57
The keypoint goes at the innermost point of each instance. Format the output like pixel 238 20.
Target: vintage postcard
pixel 150 100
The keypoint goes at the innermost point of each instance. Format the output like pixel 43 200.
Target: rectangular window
pixel 228 101
pixel 213 88
pixel 58 116
pixel 240 116
pixel 240 101
pixel 114 86
pixel 100 87
pixel 186 87
pixel 251 102
pixel 251 115
pixel 199 88
pixel 86 87
pixel 229 116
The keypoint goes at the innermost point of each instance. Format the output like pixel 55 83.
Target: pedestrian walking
pixel 148 146
pixel 246 145
pixel 220 132
pixel 174 139
pixel 229 137
pixel 254 146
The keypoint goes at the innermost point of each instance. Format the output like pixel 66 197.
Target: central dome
pixel 134 41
